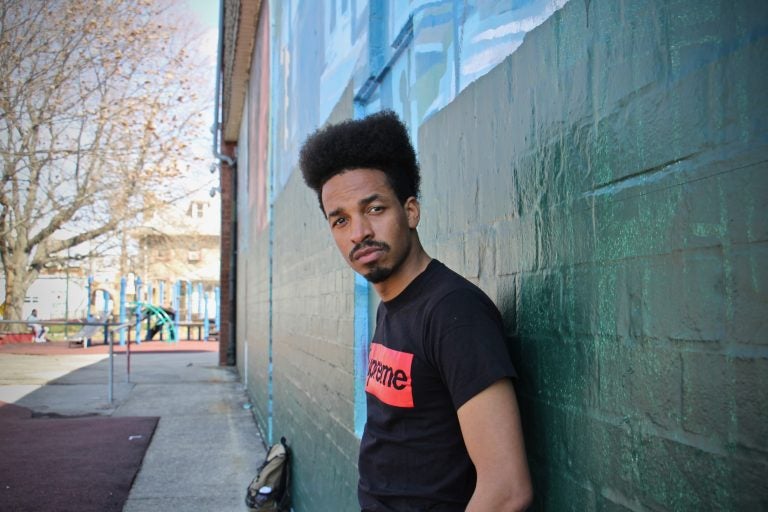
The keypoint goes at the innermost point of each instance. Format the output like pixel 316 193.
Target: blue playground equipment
pixel 163 322
pixel 191 302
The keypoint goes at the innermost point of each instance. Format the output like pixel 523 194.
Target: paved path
pixel 206 448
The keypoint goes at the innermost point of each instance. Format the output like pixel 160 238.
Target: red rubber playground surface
pixel 69 463
pixel 63 348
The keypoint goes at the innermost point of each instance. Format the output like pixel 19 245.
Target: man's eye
pixel 339 222
pixel 376 209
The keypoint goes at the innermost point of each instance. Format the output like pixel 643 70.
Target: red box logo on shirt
pixel 389 376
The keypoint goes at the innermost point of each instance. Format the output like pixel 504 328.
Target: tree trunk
pixel 17 281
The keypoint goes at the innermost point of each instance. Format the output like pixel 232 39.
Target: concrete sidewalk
pixel 206 448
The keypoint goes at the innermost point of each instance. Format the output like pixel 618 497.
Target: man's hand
pixel 490 425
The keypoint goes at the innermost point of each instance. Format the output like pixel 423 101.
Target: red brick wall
pixel 228 205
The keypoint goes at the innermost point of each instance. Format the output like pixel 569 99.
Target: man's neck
pixel 413 266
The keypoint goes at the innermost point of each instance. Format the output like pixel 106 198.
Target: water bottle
pixel 265 493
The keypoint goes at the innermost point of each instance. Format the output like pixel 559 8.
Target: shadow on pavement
pixel 204 451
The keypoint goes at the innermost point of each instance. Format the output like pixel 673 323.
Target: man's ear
pixel 412 211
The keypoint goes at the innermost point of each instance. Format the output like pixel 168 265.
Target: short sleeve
pixel 466 344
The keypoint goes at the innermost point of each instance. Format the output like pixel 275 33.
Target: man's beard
pixel 377 274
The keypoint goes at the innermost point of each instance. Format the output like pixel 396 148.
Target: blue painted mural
pixel 412 56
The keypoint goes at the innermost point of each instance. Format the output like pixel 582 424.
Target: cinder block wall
pixel 312 342
pixel 253 322
pixel 313 363
pixel 607 186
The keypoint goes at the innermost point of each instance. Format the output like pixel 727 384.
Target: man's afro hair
pixel 379 141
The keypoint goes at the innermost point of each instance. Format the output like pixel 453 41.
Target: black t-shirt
pixel 436 345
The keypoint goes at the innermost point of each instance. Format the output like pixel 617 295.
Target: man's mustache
pixel 366 244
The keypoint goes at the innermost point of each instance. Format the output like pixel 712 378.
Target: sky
pixel 206 12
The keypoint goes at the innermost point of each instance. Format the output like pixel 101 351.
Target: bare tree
pixel 96 101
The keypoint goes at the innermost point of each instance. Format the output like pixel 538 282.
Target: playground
pixel 143 313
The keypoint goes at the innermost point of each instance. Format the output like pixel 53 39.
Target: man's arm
pixel 490 424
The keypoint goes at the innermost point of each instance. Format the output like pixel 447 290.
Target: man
pixel 36 327
pixel 443 429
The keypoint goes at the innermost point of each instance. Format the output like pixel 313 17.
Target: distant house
pixel 180 242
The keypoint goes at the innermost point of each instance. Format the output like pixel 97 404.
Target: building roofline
pixel 239 35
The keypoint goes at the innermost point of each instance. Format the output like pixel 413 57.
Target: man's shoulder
pixel 447 278
pixel 449 287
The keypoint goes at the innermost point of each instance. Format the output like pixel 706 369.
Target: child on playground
pixel 158 325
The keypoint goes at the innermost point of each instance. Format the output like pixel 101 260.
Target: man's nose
pixel 361 230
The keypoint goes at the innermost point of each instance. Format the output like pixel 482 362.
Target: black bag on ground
pixel 270 490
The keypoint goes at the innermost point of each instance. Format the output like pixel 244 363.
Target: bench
pixel 189 326
pixel 199 325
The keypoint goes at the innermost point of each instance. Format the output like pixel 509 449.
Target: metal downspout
pixel 217 93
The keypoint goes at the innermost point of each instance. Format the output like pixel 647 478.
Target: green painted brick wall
pixel 607 186
pixel 312 332
pixel 252 329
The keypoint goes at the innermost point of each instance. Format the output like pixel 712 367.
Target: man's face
pixel 372 229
